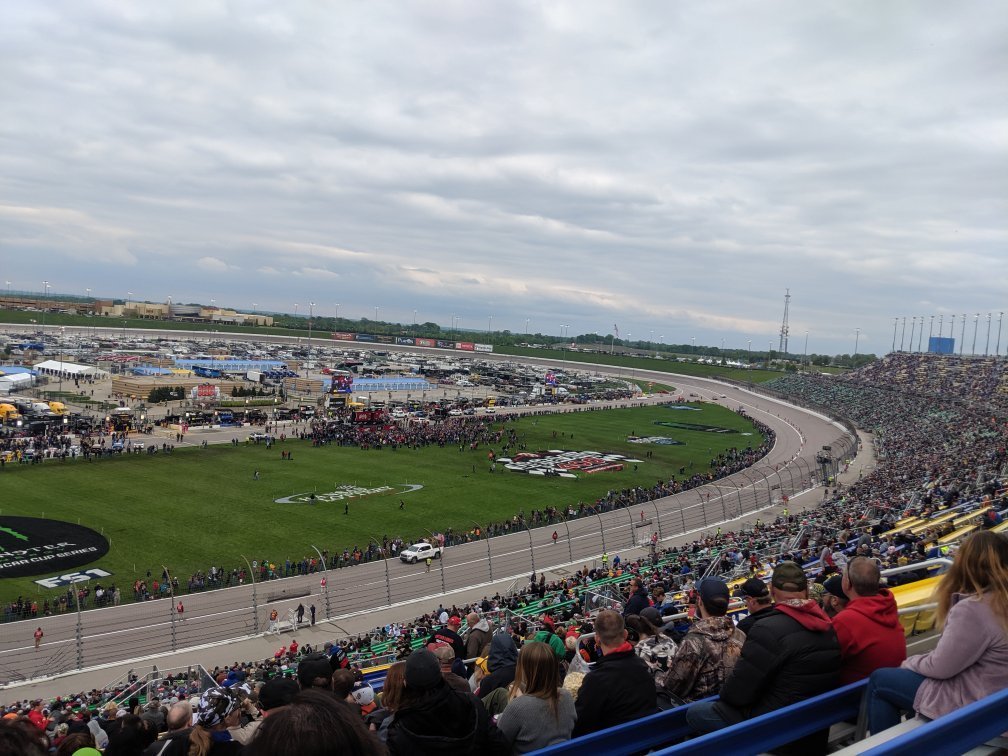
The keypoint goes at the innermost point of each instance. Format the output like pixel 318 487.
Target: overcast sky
pixel 664 167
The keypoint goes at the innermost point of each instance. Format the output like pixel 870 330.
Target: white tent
pixel 66 369
pixel 15 382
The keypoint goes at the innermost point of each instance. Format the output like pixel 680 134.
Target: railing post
pixel 441 560
pixel 570 548
pixel 171 610
pixel 630 514
pixel 601 528
pixel 325 577
pixel 654 503
pixel 255 598
pixel 489 560
pixel 79 633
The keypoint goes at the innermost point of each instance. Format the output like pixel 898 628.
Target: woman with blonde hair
pixel 540 713
pixel 970 661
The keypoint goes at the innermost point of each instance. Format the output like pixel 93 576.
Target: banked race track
pixel 134 631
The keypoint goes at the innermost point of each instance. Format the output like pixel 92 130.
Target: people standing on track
pixel 38 637
pixel 300 613
pixel 322 584
pixel 180 610
pixel 274 626
pixel 555 536
pixel 605 560
pixel 311 610
pixel 427 562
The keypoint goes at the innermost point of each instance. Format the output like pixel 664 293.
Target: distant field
pixel 645 363
pixel 203 505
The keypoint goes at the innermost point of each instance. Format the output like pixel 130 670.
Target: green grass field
pixel 203 505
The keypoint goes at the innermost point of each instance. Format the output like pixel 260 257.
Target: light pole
pixel 920 335
pixel 749 354
pixel 976 322
pixel 962 334
pixel 563 347
pixel 376 316
pixel 311 314
pixel 903 333
pixel 952 330
pixel 693 339
pixel 895 323
pixel 337 311
pixel 857 337
pixel 997 347
pixel 987 345
pixel 913 325
pixel 45 289
pixel 930 331
pixel 414 323
pixel 805 353
pixel 526 319
pixel 489 326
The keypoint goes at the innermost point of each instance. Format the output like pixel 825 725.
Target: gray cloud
pixel 670 169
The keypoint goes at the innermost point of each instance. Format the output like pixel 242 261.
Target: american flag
pixel 616 329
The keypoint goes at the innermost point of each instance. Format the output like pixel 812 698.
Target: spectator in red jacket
pixel 868 628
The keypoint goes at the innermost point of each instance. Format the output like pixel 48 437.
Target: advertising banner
pixel 465 346
pixel 343 336
pixel 35 546
pixel 425 342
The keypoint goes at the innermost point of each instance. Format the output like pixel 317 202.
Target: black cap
pixel 423 671
pixel 313 667
pixel 277 692
pixel 754 588
pixel 834 586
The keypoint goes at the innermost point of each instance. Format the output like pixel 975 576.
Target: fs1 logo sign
pixel 73 577
pixel 33 546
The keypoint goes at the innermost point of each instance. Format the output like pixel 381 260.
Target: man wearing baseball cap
pixel 708 653
pixel 788 656
pixel 450 634
pixel 757 600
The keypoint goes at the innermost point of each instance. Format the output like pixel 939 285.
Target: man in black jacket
pixel 638 600
pixel 620 687
pixel 789 655
pixel 757 600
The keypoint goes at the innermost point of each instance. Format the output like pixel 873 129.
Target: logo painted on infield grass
pixel 34 546
pixel 344 493
pixel 563 463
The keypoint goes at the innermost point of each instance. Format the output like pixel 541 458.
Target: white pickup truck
pixel 419 552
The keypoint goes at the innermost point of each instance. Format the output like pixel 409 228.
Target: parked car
pixel 419 552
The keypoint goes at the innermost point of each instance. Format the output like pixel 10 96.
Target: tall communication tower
pixel 782 348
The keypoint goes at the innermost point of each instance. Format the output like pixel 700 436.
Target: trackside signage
pixel 564 463
pixel 343 493
pixel 34 546
pixel 73 577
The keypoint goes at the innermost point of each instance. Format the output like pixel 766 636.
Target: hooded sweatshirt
pixel 788 656
pixel 444 721
pixel 477 639
pixel 502 661
pixel 870 636
pixel 706 656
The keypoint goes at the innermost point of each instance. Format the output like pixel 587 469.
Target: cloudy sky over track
pixel 667 167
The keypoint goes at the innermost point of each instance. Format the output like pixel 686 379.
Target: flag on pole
pixel 616 329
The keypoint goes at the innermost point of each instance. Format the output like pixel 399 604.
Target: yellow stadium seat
pixel 925 620
pixel 908 621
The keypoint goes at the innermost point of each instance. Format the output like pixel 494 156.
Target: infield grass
pixel 202 506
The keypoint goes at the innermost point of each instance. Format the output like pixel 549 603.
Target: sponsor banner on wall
pixel 386 340
pixel 426 342
pixel 465 346
pixel 564 463
pixel 407 340
pixel 365 337
pixel 34 546
pixel 343 336
pixel 483 347
pixel 70 578
pixel 445 344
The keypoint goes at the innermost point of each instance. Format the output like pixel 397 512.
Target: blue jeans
pixel 890 693
pixel 703 718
